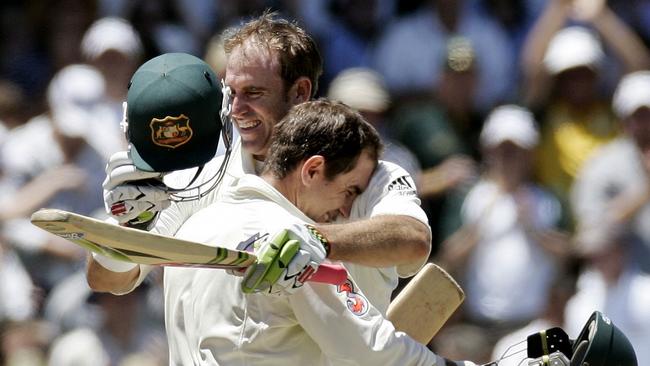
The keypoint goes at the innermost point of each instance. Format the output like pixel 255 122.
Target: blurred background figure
pixel 612 282
pixel 49 162
pixel 113 47
pixel 411 50
pixel 509 248
pixel 215 55
pixel 613 188
pixel 561 290
pixel 462 339
pixel 364 90
pixel 347 31
pixel 442 129
pixel 103 329
pixel 566 70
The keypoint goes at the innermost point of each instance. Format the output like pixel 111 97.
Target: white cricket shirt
pixel 391 191
pixel 210 321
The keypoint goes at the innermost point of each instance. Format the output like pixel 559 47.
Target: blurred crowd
pixel 525 123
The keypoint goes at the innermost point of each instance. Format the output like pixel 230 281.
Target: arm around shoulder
pixel 380 241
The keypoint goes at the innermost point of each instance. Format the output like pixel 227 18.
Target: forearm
pixel 623 41
pixel 536 80
pixel 101 279
pixel 381 241
pixel 552 19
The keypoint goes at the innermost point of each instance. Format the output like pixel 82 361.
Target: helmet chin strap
pixel 192 193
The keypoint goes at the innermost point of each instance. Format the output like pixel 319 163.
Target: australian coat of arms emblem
pixel 171 131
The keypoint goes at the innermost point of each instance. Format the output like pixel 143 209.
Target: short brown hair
pixel 297 51
pixel 321 127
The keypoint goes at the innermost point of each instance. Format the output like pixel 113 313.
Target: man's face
pixel 259 96
pixel 326 199
pixel 638 126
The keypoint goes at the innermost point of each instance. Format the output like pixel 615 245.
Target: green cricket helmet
pixel 601 343
pixel 173 106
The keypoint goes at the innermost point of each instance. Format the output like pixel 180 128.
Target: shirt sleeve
pixel 350 331
pixel 392 191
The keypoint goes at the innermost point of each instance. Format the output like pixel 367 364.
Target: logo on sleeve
pixel 356 302
pixel 403 185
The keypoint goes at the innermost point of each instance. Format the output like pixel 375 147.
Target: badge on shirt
pixel 356 302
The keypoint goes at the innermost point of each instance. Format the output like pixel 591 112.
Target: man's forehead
pixel 247 72
pixel 252 54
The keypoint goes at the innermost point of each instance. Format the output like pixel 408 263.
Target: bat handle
pixel 333 274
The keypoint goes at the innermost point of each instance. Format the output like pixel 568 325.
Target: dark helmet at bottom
pixel 601 343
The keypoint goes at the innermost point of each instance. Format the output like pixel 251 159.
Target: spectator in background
pixel 215 56
pixel 515 17
pixel 51 154
pixel 611 283
pixel 442 130
pixel 62 24
pixel 612 190
pixel 410 52
pixel 561 290
pixel 564 68
pixel 114 327
pixel 113 47
pixel 349 38
pixel 509 247
pixel 364 90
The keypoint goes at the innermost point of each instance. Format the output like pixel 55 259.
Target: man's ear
pixel 300 90
pixel 312 169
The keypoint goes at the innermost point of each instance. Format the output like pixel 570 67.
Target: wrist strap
pixel 321 238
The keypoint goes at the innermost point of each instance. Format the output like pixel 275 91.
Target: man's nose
pixel 346 209
pixel 239 106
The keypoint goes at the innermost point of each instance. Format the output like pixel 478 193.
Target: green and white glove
pixel 285 260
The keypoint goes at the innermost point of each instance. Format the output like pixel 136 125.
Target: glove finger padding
pixel 258 276
pixel 285 261
pixel 132 196
pixel 127 202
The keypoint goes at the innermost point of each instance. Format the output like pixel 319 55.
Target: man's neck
pixel 284 186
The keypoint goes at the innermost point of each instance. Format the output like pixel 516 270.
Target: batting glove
pixel 131 196
pixel 285 261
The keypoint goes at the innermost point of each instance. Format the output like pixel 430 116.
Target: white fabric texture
pixel 210 321
pixel 391 192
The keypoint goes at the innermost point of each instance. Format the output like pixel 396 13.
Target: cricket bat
pixel 425 303
pixel 138 246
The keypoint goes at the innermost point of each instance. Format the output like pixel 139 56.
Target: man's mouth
pixel 247 125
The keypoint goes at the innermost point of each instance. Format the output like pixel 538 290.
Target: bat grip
pixel 333 274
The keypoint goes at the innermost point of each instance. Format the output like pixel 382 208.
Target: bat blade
pixel 425 303
pixel 137 246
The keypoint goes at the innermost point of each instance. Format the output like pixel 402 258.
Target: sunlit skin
pixel 335 197
pixel 320 198
pixel 259 96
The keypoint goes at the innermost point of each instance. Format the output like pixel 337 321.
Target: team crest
pixel 171 131
pixel 356 302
